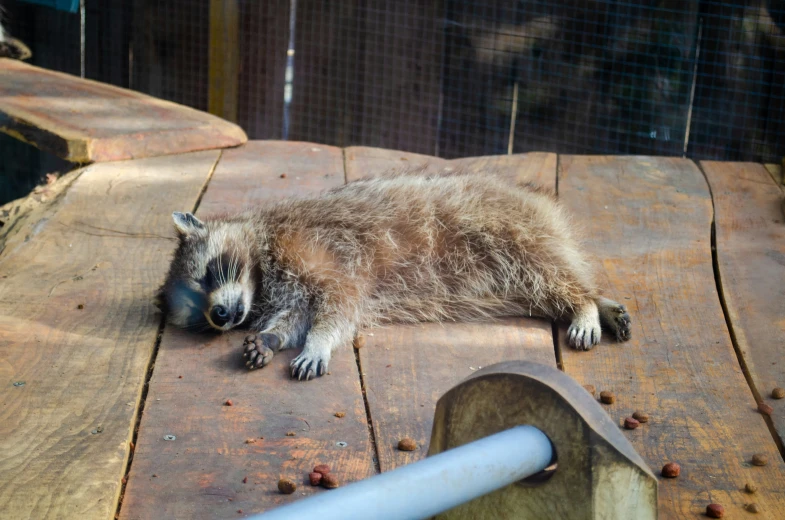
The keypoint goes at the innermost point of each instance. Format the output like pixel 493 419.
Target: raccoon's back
pixel 423 248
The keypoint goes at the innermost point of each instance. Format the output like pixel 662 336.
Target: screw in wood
pixel 169 437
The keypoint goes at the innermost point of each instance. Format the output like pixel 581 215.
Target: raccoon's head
pixel 210 281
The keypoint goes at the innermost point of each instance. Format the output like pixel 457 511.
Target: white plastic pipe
pixel 432 485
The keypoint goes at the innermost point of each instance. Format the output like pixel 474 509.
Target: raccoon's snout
pixel 221 316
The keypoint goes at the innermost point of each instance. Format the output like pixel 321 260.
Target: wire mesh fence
pixel 453 78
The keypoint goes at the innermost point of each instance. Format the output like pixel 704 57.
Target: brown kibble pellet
pixel 641 417
pixel 329 481
pixel 778 393
pixel 240 511
pixel 671 470
pixel 245 480
pixel 340 415
pixel 407 444
pixel 250 441
pixel 759 459
pixel 630 423
pixel 715 511
pixel 179 377
pixel 290 434
pixel 607 397
pixel 590 389
pixel 155 476
pixel 765 409
pixel 229 403
pixel 359 342
pixel 286 486
pixel 750 488
pixel 752 508
pixel 321 468
pixel 80 306
pixel 315 478
pixel 283 175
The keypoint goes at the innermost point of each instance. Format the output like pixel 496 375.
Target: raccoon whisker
pixel 221 279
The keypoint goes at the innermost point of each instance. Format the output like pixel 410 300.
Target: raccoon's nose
pixel 219 315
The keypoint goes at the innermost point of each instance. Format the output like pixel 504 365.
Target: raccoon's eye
pixel 217 273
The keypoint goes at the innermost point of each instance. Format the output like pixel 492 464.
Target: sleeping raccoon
pixel 312 272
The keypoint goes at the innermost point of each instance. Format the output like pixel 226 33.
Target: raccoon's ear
pixel 186 224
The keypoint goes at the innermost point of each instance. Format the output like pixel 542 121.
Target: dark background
pixel 701 79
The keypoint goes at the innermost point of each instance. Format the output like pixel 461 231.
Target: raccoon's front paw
pixel 309 364
pixel 259 349
pixel 584 333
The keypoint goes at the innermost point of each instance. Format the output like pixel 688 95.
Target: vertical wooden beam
pixel 224 59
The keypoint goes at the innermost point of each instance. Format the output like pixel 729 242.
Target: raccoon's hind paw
pixel 259 349
pixel 309 365
pixel 614 316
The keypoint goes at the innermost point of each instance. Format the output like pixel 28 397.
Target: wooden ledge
pixel 85 121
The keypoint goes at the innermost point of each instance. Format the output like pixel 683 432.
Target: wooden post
pixel 224 59
pixel 598 474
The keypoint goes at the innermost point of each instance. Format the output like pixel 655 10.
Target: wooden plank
pixel 776 172
pixel 649 220
pixel 85 121
pixel 64 434
pixel 403 48
pixel 750 242
pixel 200 474
pixel 406 369
pixel 534 167
pixel 224 57
pixel 264 40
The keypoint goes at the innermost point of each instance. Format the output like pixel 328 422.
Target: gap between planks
pixel 151 365
pixel 733 327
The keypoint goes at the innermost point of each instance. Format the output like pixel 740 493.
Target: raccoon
pixel 312 272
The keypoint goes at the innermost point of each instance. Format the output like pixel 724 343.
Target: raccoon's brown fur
pixel 312 272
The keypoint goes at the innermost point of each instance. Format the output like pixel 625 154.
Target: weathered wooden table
pixel 92 383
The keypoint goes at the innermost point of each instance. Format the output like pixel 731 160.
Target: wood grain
pixel 200 474
pixel 105 248
pixel 750 242
pixel 84 121
pixel 408 368
pixel 536 167
pixel 649 222
pixel 776 172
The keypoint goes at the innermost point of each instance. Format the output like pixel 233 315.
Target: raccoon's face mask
pixel 209 281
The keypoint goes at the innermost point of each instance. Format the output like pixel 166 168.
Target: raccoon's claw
pixel 258 350
pixel 307 367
